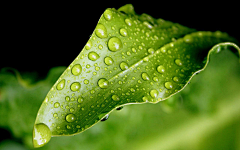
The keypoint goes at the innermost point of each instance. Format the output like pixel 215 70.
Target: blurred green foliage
pixel 205 115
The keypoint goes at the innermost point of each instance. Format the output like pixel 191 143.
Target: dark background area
pixel 39 36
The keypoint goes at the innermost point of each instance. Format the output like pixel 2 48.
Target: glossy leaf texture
pixel 129 59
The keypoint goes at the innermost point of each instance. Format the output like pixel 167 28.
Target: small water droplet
pixel 61 84
pixel 88 45
pixel 161 69
pixel 124 66
pixel 107 14
pixel 115 98
pixel 147 24
pixel 114 44
pixel 100 46
pixel 188 39
pixel 72 109
pixel 155 79
pixel 105 118
pixel 41 135
pixel 75 86
pixel 145 99
pixel 70 118
pixel 76 69
pixel 175 79
pixel 101 31
pixel 93 56
pixel 80 100
pixel 169 85
pixel 108 61
pixel 178 62
pixel 128 22
pixel 119 108
pixel 103 83
pixel 86 81
pixel 154 93
pixel 145 76
pixel 150 50
pixel 56 105
pixel 123 32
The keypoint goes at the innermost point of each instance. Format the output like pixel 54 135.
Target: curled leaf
pixel 129 59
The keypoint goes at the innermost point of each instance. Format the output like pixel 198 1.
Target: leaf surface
pixel 129 59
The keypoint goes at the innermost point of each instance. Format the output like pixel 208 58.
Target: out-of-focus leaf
pixel 19 101
pixel 129 59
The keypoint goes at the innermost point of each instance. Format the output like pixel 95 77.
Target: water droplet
pixel 70 118
pixel 123 32
pixel 169 85
pixel 145 99
pixel 108 60
pixel 107 14
pixel 115 98
pixel 105 118
pixel 128 22
pixel 56 105
pixel 101 31
pixel 119 108
pixel 147 24
pixel 61 84
pixel 188 39
pixel 154 93
pixel 80 100
pixel 161 69
pixel 103 83
pixel 155 79
pixel 150 50
pixel 93 56
pixel 114 44
pixel 175 79
pixel 145 76
pixel 76 69
pixel 75 86
pixel 41 135
pixel 88 45
pixel 86 81
pixel 124 66
pixel 100 46
pixel 72 109
pixel 178 62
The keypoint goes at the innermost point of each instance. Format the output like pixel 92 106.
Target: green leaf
pixel 129 59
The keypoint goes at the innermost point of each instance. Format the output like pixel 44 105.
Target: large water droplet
pixel 41 135
pixel 161 69
pixel 108 60
pixel 128 22
pixel 70 118
pixel 169 85
pixel 88 45
pixel 76 69
pixel 178 62
pixel 154 93
pixel 107 14
pixel 115 98
pixel 114 44
pixel 93 56
pixel 75 86
pixel 101 31
pixel 145 76
pixel 61 84
pixel 103 83
pixel 124 66
pixel 123 32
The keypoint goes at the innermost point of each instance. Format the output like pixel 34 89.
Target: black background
pixel 38 36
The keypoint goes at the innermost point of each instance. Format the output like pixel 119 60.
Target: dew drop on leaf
pixel 108 61
pixel 169 85
pixel 101 31
pixel 61 84
pixel 80 100
pixel 107 14
pixel 70 118
pixel 161 69
pixel 124 65
pixel 114 44
pixel 154 93
pixel 75 86
pixel 88 45
pixel 115 98
pixel 76 69
pixel 178 62
pixel 128 22
pixel 41 135
pixel 175 79
pixel 123 32
pixel 145 76
pixel 103 83
pixel 93 56
pixel 56 105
